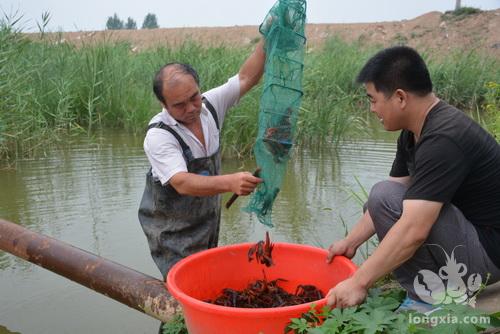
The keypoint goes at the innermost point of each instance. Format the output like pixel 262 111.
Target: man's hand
pixel 243 183
pixel 341 247
pixel 346 294
pixel 361 232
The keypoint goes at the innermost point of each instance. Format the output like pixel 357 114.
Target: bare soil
pixel 433 32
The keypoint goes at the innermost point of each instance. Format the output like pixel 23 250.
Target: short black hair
pixel 398 67
pixel 159 77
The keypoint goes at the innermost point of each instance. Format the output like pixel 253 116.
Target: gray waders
pixel 178 225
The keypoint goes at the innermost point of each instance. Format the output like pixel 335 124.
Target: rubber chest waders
pixel 177 225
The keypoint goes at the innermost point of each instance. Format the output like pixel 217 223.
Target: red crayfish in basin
pixel 263 293
pixel 262 252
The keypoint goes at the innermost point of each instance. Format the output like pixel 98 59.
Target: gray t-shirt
pixel 455 161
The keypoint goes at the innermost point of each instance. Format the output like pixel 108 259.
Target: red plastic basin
pixel 203 275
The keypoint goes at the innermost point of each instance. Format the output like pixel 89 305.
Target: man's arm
pixel 362 231
pixel 242 183
pixel 399 245
pixel 251 71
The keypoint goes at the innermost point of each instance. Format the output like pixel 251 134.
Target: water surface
pixel 87 194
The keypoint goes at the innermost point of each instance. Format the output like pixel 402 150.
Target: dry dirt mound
pixel 433 31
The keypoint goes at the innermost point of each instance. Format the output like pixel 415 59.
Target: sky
pixel 70 15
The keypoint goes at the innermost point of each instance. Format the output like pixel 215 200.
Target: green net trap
pixel 283 29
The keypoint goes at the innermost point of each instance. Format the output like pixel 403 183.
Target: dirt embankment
pixel 431 31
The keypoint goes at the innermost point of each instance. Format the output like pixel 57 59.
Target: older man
pixel 180 207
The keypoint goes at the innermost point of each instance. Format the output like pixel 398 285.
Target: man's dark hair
pixel 399 67
pixel 159 77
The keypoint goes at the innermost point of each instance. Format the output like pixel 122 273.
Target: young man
pixel 438 215
pixel 180 207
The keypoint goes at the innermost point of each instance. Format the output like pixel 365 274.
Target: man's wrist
pixel 352 245
pixel 362 279
pixel 222 183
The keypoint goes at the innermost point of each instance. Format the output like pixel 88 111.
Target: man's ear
pixel 402 97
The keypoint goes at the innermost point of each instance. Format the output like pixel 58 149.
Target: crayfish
pixel 264 293
pixel 262 252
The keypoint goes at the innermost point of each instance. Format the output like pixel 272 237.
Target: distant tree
pixel 150 22
pixel 130 24
pixel 458 4
pixel 114 23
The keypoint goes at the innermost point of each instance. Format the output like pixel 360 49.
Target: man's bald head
pixel 168 76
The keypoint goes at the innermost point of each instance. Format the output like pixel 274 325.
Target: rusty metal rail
pixel 127 286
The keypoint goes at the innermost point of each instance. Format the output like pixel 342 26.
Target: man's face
pixel 183 99
pixel 387 109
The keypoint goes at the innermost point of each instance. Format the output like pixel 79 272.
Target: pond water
pixel 87 195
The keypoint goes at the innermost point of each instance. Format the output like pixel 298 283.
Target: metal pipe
pixel 127 286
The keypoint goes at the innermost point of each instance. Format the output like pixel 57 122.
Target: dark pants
pixel 447 266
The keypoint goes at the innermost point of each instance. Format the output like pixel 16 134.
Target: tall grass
pixel 332 101
pixel 492 107
pixel 460 78
pixel 49 89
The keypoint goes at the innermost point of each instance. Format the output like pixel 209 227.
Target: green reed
pixel 51 89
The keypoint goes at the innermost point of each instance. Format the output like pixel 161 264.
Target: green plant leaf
pixel 399 325
pixel 379 302
pixel 495 319
pixel 373 322
pixel 338 321
pixel 298 326
pixel 175 326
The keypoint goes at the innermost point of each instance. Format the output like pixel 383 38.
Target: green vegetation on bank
pixel 492 106
pixel 377 315
pixel 50 89
pixel 460 13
